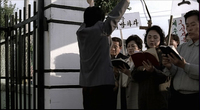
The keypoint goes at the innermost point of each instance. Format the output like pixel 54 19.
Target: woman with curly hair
pixel 149 77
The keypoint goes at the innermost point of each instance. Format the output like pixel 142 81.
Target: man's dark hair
pixel 192 13
pixel 116 39
pixel 92 15
pixel 159 31
pixel 137 40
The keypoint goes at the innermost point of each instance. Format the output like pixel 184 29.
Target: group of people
pixel 105 86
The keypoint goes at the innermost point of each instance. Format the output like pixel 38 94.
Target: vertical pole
pixel 29 73
pixel 0 55
pixel 169 31
pixel 26 2
pixel 19 61
pixel 16 62
pixel 34 58
pixel 24 59
pixel 0 18
pixel 7 64
pixel 123 51
pixel 40 54
pixel 121 78
pixel 12 70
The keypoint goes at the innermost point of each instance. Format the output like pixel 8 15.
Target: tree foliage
pixel 107 5
pixel 6 8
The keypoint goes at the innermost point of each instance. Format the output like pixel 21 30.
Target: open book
pixel 119 63
pixel 170 49
pixel 149 54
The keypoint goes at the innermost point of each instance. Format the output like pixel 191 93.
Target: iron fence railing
pixel 21 61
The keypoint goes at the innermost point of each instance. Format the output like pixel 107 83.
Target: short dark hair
pixel 159 31
pixel 192 13
pixel 116 39
pixel 174 37
pixel 92 15
pixel 137 40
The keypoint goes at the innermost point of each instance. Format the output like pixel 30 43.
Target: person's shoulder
pixel 185 44
pixel 98 25
pixel 82 26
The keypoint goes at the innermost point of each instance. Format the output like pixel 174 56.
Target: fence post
pixel 40 54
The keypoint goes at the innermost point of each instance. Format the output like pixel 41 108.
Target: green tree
pixel 6 8
pixel 107 5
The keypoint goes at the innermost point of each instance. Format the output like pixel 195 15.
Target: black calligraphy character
pixel 122 24
pixel 135 22
pixel 129 23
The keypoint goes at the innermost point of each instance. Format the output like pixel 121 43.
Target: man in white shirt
pixel 185 72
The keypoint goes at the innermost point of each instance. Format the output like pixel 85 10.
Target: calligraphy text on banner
pixel 179 28
pixel 129 20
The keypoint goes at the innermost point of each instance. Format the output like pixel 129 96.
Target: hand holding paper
pixel 118 63
pixel 149 55
pixel 176 61
pixel 166 61
pixel 170 49
pixel 125 70
pixel 148 66
pixel 170 59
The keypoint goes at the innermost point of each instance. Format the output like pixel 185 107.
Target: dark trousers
pixel 99 98
pixel 180 101
pixel 123 99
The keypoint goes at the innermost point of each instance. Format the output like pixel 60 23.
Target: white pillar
pixel 62 54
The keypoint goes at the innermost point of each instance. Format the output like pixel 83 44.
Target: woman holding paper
pixel 133 45
pixel 149 77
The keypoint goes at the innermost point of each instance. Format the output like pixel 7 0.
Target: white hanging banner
pixel 129 20
pixel 183 8
pixel 179 28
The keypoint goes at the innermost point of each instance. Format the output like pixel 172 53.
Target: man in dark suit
pixel 116 49
pixel 115 53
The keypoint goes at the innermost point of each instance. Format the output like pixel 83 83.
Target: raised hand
pixel 90 2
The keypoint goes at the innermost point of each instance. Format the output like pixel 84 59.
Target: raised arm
pixel 114 17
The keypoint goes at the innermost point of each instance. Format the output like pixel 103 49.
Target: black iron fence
pixel 21 60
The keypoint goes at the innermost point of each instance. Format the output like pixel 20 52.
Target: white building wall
pixel 62 54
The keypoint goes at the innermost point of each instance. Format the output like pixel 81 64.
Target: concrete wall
pixel 62 54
